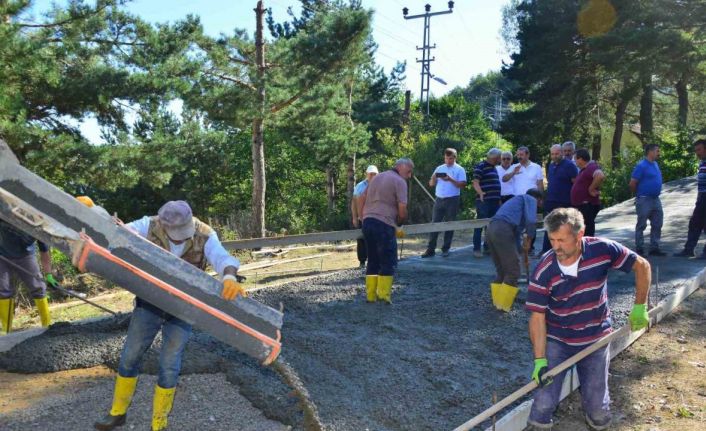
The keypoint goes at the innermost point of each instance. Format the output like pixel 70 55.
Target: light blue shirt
pixel 216 255
pixel 520 212
pixel 360 188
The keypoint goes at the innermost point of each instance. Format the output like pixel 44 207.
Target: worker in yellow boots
pixel 176 230
pixel 384 208
pixel 17 256
pixel 515 218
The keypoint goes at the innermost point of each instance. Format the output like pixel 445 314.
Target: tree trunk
pixel 618 133
pixel 683 95
pixel 646 121
pixel 350 172
pixel 331 188
pixel 258 128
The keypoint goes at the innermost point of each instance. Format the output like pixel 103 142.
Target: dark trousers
pixel 550 206
pixel 445 209
pixel 697 223
pixel 361 248
pixel 505 198
pixel 382 247
pixel 503 249
pixel 589 212
pixel 485 209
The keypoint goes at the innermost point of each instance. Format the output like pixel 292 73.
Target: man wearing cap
pixel 356 212
pixel 384 206
pixel 176 230
pixel 17 250
pixel 448 180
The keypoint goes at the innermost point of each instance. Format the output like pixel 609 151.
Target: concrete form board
pixel 516 420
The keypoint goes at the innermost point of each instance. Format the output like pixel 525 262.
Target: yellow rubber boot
pixel 507 297
pixel 163 400
pixel 43 309
pixel 371 285
pixel 7 313
pixel 384 290
pixel 495 289
pixel 122 396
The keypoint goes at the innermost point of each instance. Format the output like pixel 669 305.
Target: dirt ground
pixel 658 383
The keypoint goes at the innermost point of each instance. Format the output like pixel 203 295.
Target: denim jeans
pixel 146 321
pixel 445 209
pixel 648 208
pixel 381 243
pixel 593 378
pixel 485 209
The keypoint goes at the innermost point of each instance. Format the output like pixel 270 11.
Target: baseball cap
pixel 177 219
pixel 372 169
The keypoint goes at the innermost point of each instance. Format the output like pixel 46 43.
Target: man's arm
pixel 538 334
pixel 354 211
pixel 633 185
pixel 476 187
pixel 540 185
pixel 360 203
pixel 401 213
pixel 598 178
pixel 643 279
pixel 45 261
pixel 432 180
pixel 508 176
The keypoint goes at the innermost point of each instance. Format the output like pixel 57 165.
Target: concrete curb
pixel 516 419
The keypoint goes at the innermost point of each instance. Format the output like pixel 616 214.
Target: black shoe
pixel 684 253
pixel 640 251
pixel 657 252
pixel 109 422
pixel 428 253
pixel 445 253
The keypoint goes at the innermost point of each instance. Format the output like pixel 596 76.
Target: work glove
pixel 399 233
pixel 51 281
pixel 540 367
pixel 231 288
pixel 638 317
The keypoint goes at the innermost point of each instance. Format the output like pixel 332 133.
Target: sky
pixel 467 41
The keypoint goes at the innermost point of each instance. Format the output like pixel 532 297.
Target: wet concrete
pixel 430 361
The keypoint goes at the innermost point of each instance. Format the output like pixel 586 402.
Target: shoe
pixel 109 422
pixel 684 253
pixel 657 252
pixel 596 427
pixel 445 253
pixel 478 254
pixel 428 253
pixel 640 251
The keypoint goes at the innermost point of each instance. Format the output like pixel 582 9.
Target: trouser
pixel 36 286
pixel 503 249
pixel 505 198
pixel 146 321
pixel 550 206
pixel 697 223
pixel 445 209
pixel 485 209
pixel 589 212
pixel 361 248
pixel 648 208
pixel 381 246
pixel 593 378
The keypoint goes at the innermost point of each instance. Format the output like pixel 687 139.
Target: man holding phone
pixel 448 180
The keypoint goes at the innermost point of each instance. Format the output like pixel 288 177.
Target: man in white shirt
pixel 507 188
pixel 448 180
pixel 527 175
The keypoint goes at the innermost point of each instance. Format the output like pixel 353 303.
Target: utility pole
pixel 258 140
pixel 426 50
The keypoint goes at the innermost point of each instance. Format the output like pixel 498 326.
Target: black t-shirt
pixel 15 244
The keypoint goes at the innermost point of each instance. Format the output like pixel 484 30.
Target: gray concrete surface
pixel 430 361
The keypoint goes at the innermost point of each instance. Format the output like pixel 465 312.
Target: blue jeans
pixel 381 244
pixel 485 209
pixel 146 321
pixel 648 208
pixel 593 378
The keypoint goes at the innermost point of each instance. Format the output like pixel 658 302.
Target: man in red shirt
pixel 586 193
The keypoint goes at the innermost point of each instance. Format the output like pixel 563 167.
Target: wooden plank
pixel 260 265
pixel 346 235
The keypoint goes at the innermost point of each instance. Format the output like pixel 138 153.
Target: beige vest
pixel 193 247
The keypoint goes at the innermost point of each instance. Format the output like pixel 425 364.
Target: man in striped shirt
pixel 568 301
pixel 487 186
pixel 697 222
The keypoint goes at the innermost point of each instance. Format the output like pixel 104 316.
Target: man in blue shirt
pixel 356 215
pixel 646 185
pixel 486 183
pixel 561 173
pixel 515 217
pixel 697 222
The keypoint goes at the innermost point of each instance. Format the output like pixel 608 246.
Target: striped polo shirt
pixel 576 308
pixel 702 176
pixel 488 180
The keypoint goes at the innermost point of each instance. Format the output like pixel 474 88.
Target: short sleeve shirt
pixel 487 177
pixel 444 189
pixel 576 308
pixel 360 188
pixel 559 181
pixel 384 193
pixel 649 178
pixel 527 177
pixel 507 188
pixel 579 191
